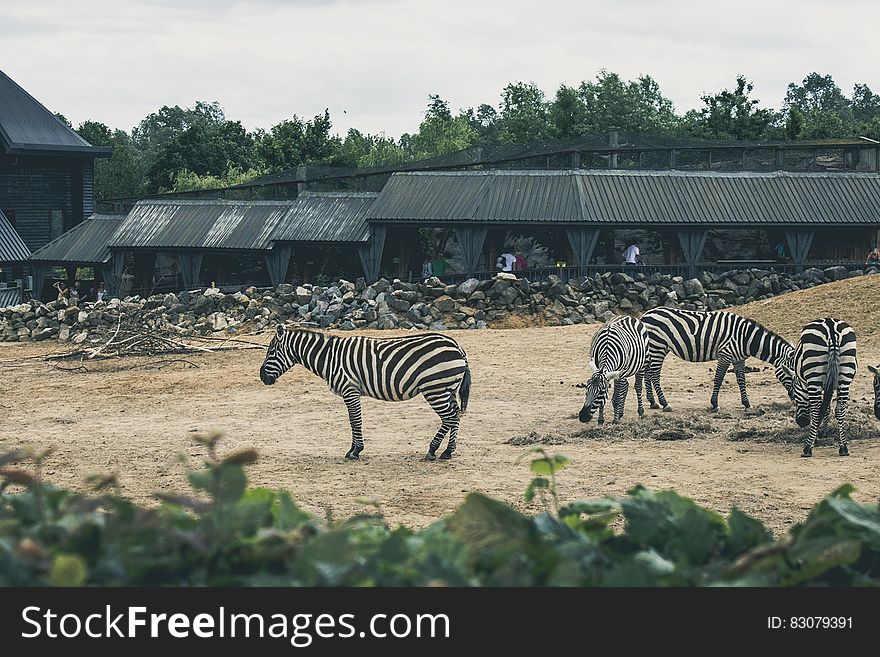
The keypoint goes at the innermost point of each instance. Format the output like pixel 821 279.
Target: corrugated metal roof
pixel 326 217
pixel 629 197
pixel 244 225
pixel 85 243
pixel 12 248
pixel 27 126
pixel 200 224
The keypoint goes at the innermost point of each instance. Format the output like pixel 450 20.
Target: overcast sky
pixel 374 62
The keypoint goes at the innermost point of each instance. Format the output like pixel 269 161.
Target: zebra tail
pixel 831 376
pixel 464 390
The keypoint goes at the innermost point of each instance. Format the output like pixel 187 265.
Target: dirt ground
pixel 138 422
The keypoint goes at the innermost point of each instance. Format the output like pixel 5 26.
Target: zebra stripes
pixel 391 369
pixel 699 336
pixel 876 372
pixel 823 362
pixel 618 350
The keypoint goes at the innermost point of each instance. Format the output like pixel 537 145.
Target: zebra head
pixel 801 397
pixel 596 393
pixel 279 357
pixel 784 370
pixel 876 372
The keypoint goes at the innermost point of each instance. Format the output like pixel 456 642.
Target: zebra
pixel 391 369
pixel 824 361
pixel 618 350
pixel 876 372
pixel 698 336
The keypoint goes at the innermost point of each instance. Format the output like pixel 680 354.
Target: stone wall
pixel 395 304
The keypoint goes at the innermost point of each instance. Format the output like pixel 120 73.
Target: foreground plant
pixel 224 533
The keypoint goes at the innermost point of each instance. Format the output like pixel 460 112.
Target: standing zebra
pixel 618 350
pixel 876 372
pixel 391 369
pixel 824 361
pixel 699 336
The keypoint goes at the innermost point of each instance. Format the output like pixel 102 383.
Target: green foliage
pixel 227 534
pixel 524 114
pixel 185 149
pixel 731 115
pixel 186 181
pixel 439 133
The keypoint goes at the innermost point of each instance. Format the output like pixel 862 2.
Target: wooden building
pixel 46 172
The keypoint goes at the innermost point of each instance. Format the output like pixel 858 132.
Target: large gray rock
pixel 468 287
pixel 693 288
pixel 836 273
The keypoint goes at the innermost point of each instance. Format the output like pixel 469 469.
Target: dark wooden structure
pixel 46 171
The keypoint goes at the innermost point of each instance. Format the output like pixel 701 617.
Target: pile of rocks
pixel 387 304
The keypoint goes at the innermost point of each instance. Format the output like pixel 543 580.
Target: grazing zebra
pixel 824 361
pixel 876 372
pixel 391 369
pixel 699 336
pixel 618 350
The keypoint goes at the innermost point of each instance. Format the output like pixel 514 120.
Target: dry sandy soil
pixel 137 422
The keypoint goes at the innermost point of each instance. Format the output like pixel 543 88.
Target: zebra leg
pixel 649 391
pixel 621 386
pixel 815 420
pixel 352 401
pixel 720 372
pixel 600 419
pixel 739 369
pixel 444 405
pixel 639 380
pixel 453 432
pixel 840 414
pixel 654 380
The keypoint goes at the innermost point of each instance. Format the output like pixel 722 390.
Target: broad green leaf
pixel 534 485
pixel 68 570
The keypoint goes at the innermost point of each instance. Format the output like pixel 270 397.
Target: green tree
pixel 439 133
pixel 295 142
pixel 122 174
pixel 483 119
pixel 568 113
pixel 637 105
pixel 817 93
pixel 865 103
pixel 731 115
pixel 794 124
pixel 187 181
pixel 524 114
pixel 360 150
pixel 199 139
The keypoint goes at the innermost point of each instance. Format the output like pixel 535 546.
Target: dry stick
pixel 161 363
pixel 118 324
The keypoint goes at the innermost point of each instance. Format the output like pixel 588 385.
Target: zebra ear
pixel 279 330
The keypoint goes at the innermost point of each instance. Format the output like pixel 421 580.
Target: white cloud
pixel 374 62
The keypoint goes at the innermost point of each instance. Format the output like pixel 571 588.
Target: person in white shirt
pixel 505 261
pixel 632 256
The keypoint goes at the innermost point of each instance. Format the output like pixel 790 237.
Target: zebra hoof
pixel 615 421
pixel 641 412
pixel 808 451
pixel 712 409
pixel 430 457
pixel 352 457
pixel 446 455
pixel 655 406
pixel 667 409
pixel 843 451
